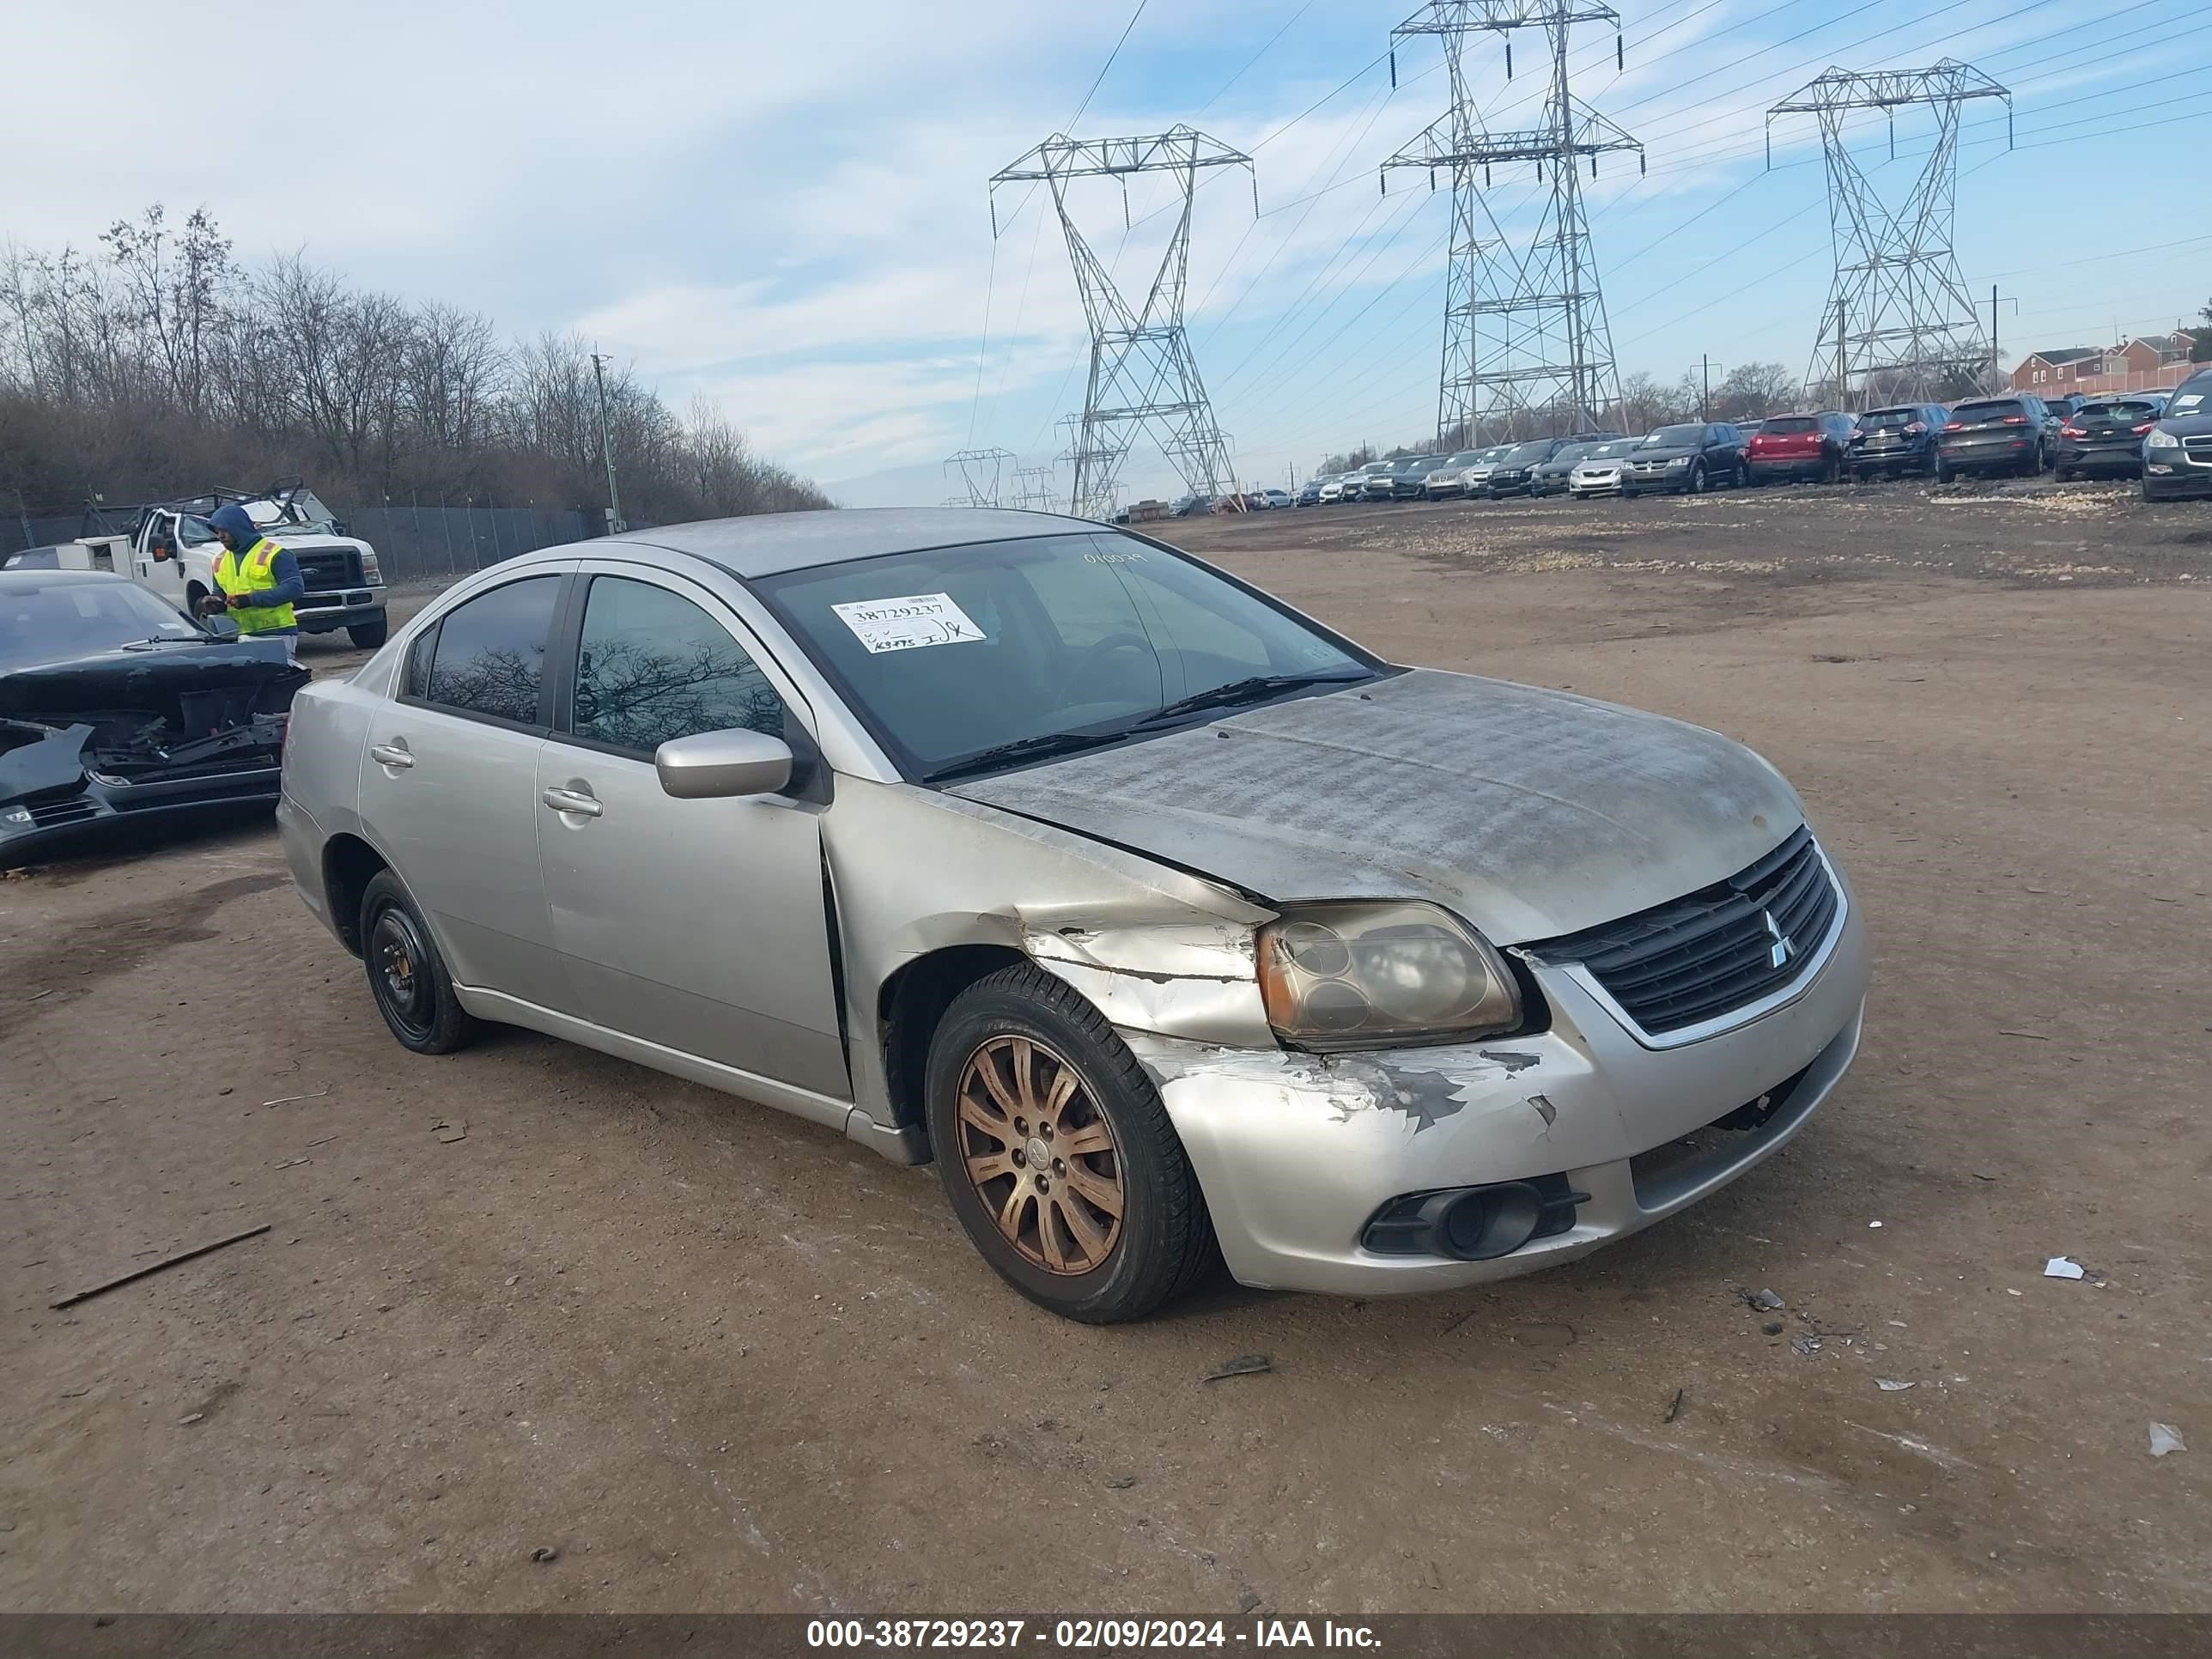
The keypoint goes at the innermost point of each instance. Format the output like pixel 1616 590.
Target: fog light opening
pixel 1490 1222
pixel 1474 1223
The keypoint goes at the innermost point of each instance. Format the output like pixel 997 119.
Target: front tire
pixel 1696 482
pixel 1057 1155
pixel 406 975
pixel 367 636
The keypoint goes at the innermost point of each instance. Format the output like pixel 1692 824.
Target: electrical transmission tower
pixel 980 470
pixel 1036 489
pixel 1899 325
pixel 1142 371
pixel 1525 334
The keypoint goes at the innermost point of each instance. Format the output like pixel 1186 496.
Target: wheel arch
pixel 909 1005
pixel 349 864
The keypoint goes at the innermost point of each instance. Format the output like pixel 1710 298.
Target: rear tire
pixel 406 975
pixel 1004 1051
pixel 1944 472
pixel 2064 474
pixel 367 636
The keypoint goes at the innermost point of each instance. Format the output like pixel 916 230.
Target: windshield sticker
pixel 903 624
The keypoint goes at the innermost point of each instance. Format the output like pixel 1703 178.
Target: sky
pixel 787 213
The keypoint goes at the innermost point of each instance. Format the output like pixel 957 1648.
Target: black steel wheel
pixel 367 636
pixel 406 975
pixel 1057 1154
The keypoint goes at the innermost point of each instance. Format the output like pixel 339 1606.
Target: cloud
pixel 786 210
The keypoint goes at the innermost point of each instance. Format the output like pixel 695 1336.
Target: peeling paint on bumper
pixel 1296 1151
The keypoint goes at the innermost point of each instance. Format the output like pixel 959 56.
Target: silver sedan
pixel 1174 926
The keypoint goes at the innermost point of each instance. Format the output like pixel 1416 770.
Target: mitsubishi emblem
pixel 1783 947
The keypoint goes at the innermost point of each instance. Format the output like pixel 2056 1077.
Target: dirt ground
pixel 719 1359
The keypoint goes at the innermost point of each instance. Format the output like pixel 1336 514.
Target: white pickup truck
pixel 170 551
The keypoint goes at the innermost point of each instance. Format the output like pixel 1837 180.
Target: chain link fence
pixel 416 543
pixel 425 541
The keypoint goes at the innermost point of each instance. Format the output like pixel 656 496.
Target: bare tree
pixel 1757 390
pixel 176 291
pixel 1645 403
pixel 163 366
pixel 343 350
pixel 454 372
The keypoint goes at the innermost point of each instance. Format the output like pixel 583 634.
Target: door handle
pixel 394 755
pixel 572 801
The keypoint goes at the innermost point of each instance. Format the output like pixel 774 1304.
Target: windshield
pixel 1529 454
pixel 948 653
pixel 1675 437
pixel 1571 453
pixel 56 621
pixel 1616 446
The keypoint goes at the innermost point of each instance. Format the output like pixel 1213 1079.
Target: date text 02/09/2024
pixel 1086 1634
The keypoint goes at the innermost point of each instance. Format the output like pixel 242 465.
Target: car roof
pixel 49 578
pixel 769 544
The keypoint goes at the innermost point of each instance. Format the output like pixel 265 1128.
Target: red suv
pixel 1802 447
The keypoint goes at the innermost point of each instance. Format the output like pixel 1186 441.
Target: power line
pixel 1256 57
pixel 1108 65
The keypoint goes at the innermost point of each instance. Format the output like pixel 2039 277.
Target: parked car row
pixel 2017 432
pixel 2164 438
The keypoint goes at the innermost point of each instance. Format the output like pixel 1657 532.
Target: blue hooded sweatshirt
pixel 284 570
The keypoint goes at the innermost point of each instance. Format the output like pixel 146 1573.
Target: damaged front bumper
pixel 54 788
pixel 1298 1153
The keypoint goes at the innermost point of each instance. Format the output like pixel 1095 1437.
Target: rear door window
pixel 487 656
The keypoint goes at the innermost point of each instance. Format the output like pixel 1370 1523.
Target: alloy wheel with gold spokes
pixel 1041 1155
pixel 1058 1153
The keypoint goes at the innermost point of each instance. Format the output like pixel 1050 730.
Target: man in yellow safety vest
pixel 259 581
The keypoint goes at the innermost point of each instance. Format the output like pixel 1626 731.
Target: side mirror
pixel 163 552
pixel 222 627
pixel 718 765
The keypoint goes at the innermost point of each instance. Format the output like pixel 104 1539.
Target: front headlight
pixel 371 571
pixel 1678 461
pixel 2161 438
pixel 1380 974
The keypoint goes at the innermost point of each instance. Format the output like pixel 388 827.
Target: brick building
pixel 2149 362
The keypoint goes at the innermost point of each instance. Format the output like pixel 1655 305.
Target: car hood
pixel 2187 426
pixel 1661 452
pixel 180 684
pixel 1528 812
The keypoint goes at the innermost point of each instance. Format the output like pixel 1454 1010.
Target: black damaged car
pixel 115 707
